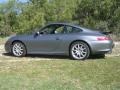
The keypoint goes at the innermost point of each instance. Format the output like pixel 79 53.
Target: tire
pixel 79 50
pixel 18 49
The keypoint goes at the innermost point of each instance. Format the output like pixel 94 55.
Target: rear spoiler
pixel 107 33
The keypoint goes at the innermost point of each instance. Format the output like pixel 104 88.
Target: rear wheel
pixel 79 50
pixel 18 49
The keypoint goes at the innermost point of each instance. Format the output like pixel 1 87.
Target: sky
pixel 3 1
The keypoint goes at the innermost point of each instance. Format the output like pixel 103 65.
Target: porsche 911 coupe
pixel 61 39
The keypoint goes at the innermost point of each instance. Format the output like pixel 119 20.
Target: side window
pixel 48 29
pixel 53 29
pixel 59 30
pixel 76 30
pixel 70 29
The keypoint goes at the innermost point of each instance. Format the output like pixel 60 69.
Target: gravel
pixel 116 50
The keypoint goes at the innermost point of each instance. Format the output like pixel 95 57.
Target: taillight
pixel 103 38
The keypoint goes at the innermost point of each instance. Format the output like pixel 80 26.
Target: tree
pixel 98 13
pixel 8 17
pixel 19 17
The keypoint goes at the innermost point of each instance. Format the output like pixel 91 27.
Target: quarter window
pixel 70 29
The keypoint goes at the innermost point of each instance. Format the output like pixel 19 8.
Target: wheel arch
pixel 80 41
pixel 20 42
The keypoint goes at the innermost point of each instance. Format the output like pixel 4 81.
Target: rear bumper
pixel 101 47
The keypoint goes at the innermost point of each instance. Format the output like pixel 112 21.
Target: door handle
pixel 57 38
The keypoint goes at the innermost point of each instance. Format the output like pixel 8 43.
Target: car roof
pixel 69 24
pixel 73 25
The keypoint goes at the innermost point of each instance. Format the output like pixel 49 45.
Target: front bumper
pixel 7 47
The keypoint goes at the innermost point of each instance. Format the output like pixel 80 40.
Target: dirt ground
pixel 116 50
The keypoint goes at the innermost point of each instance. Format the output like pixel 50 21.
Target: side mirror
pixel 36 34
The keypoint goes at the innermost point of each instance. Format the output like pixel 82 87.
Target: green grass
pixel 48 73
pixel 61 74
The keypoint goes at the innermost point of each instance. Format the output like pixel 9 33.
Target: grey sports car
pixel 61 39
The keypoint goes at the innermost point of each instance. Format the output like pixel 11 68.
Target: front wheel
pixel 18 49
pixel 79 50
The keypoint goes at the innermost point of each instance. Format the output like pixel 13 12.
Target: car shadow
pixel 52 57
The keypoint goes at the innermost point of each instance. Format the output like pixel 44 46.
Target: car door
pixel 48 40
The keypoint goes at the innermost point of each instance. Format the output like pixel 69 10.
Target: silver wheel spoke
pixel 79 51
pixel 18 49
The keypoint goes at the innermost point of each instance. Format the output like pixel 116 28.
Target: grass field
pixel 58 73
pixel 97 74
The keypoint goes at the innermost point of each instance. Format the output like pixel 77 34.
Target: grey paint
pixel 60 43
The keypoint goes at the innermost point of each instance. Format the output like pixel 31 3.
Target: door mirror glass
pixel 36 34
